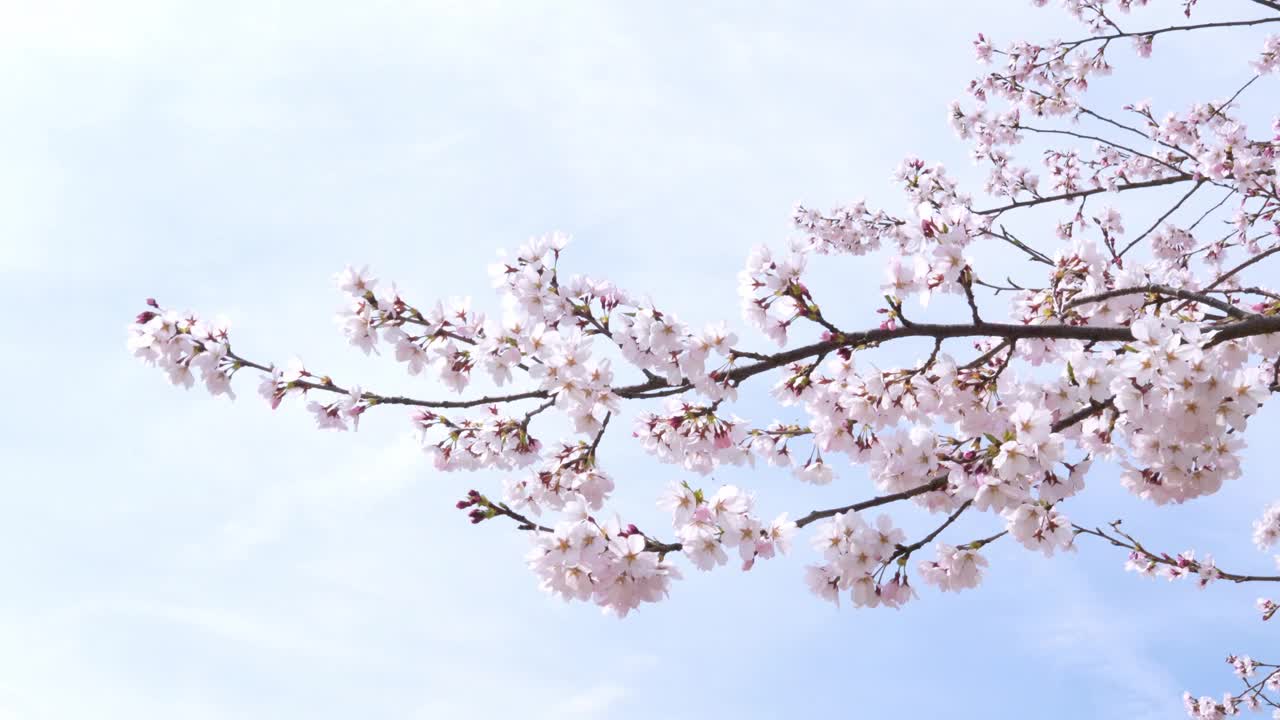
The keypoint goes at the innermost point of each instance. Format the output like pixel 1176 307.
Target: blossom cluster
pixel 1178 567
pixel 957 568
pixel 1253 698
pixel 857 555
pixel 181 344
pixel 570 475
pixel 1183 404
pixel 693 436
pixel 607 563
pixel 1266 529
pixel 470 444
pixel 706 526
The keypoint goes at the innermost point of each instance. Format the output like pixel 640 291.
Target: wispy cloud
pixel 1079 633
pixel 594 702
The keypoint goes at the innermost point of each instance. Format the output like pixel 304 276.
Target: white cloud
pixel 1080 633
pixel 589 704
pixel 330 498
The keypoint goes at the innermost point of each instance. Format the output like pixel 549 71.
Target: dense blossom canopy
pixel 1145 342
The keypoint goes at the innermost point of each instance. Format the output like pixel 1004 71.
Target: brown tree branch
pixel 1171 180
pixel 1122 539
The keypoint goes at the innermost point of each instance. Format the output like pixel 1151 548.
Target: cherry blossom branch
pixel 1256 325
pixel 940 482
pixel 544 406
pixel 954 436
pixel 1171 180
pixel 1250 291
pixel 1212 209
pixel 1217 111
pixel 1159 290
pixel 1032 253
pixel 1244 328
pixel 595 443
pixel 986 357
pixel 1182 562
pixel 482 508
pixel 937 483
pixel 904 551
pixel 326 384
pixel 983 542
pixel 1171 28
pixel 1096 138
pixel 658 387
pixel 1159 221
pixel 1238 268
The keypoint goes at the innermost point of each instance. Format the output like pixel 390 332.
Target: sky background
pixel 167 554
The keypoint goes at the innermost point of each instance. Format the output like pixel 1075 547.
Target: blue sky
pixel 173 555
